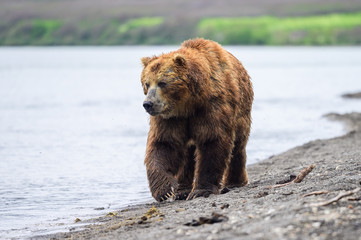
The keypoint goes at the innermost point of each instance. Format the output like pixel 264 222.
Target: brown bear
pixel 200 99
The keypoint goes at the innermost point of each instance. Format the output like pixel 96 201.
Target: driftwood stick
pixel 304 173
pixel 280 185
pixel 299 177
pixel 342 194
pixel 315 193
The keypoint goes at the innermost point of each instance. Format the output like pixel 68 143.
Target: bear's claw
pixel 166 196
pixel 163 187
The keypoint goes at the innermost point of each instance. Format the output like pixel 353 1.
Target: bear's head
pixel 169 85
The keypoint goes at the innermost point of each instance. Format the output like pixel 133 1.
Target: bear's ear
pixel 146 61
pixel 180 61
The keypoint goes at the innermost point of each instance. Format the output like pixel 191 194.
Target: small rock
pixel 271 210
pixel 210 237
pixel 314 209
pixel 191 232
pixel 225 205
pixel 180 210
pixel 226 227
pixel 261 194
pixel 316 224
pixel 289 228
pixel 287 180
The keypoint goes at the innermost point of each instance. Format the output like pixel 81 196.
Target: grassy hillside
pixel 120 22
pixel 312 30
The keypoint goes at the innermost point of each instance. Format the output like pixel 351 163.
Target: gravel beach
pixel 326 204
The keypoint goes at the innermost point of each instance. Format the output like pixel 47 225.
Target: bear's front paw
pixel 182 194
pixel 164 191
pixel 202 192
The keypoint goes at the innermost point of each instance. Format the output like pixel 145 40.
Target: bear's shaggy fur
pixel 200 99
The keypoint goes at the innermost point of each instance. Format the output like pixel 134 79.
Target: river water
pixel 73 130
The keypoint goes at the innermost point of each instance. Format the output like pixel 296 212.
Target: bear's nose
pixel 148 105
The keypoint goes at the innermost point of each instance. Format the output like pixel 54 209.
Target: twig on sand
pixel 342 194
pixel 299 177
pixel 315 193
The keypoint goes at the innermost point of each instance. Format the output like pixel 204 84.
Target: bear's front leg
pixel 162 164
pixel 211 162
pixel 162 184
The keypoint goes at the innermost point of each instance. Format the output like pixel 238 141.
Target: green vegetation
pixel 84 32
pixel 42 30
pixel 316 30
pixel 140 23
pixel 38 32
pixel 331 29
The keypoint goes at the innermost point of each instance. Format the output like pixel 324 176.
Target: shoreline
pixel 257 211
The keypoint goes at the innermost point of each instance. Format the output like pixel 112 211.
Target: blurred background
pixel 72 127
pixel 122 22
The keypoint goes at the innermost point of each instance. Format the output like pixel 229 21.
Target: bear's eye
pixel 162 84
pixel 147 85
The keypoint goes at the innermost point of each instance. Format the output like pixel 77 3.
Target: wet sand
pixel 257 211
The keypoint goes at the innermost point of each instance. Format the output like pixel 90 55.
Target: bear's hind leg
pixel 236 174
pixel 185 175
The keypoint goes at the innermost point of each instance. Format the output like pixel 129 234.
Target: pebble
pixel 316 224
pixel 272 210
pixel 226 226
pixel 180 210
pixel 289 228
pixel 210 237
pixel 226 205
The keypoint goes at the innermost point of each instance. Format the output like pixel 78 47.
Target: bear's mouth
pixel 152 113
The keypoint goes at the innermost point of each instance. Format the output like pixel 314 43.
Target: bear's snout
pixel 148 106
